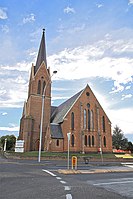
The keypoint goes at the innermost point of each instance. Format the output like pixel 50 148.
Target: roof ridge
pixel 63 109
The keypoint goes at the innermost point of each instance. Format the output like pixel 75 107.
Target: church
pixel 81 115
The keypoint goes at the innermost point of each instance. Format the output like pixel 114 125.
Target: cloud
pixel 5 28
pixel 128 87
pixel 130 2
pixel 99 5
pixel 69 10
pixel 103 59
pixel 14 128
pixel 3 14
pixel 29 18
pixel 4 113
pixel 17 77
pixel 126 96
pixel 123 118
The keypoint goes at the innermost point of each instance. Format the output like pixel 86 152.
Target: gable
pixel 87 96
pixel 63 109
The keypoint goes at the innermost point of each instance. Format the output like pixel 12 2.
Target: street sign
pixel 68 136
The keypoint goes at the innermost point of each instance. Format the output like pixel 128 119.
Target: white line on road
pixel 58 178
pixel 127 163
pixel 63 182
pixel 67 188
pixel 52 174
pixel 106 183
pixel 68 196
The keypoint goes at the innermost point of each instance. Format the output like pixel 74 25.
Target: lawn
pixel 60 154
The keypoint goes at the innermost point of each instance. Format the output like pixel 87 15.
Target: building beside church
pixel 81 115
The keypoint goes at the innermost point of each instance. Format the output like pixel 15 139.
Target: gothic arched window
pixel 89 141
pixel 72 120
pixel 72 140
pixel 92 120
pixel 103 123
pixel 104 141
pixel 85 119
pixel 89 122
pixel 43 86
pixel 39 87
pixel 85 140
pixel 93 141
pixel 57 142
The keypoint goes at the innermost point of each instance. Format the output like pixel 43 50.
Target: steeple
pixel 41 53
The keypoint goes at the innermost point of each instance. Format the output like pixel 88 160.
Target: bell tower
pixel 39 84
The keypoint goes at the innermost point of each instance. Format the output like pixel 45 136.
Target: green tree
pixel 118 139
pixel 11 139
pixel 130 146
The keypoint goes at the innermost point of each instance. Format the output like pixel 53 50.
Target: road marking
pixel 109 183
pixel 125 163
pixel 128 164
pixel 52 174
pixel 67 188
pixel 63 182
pixel 58 178
pixel 68 196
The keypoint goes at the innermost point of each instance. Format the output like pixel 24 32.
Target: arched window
pixel 92 120
pixel 103 123
pixel 72 140
pixel 72 121
pixel 104 141
pixel 85 140
pixel 89 121
pixel 85 119
pixel 39 87
pixel 93 141
pixel 44 83
pixel 89 141
pixel 57 142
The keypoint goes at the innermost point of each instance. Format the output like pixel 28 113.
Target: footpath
pixel 128 167
pixel 94 166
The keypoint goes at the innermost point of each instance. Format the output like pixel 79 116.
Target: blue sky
pixel 88 41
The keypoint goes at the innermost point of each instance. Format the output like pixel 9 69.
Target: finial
pixel 43 30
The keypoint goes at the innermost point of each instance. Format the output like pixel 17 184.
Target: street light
pixel 99 135
pixel 42 117
pixel 68 136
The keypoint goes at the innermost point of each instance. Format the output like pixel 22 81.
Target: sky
pixel 87 42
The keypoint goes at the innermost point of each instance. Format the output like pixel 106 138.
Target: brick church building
pixel 81 115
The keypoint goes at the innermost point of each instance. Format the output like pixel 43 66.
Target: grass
pixel 60 154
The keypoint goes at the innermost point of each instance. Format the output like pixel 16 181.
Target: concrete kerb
pixel 92 171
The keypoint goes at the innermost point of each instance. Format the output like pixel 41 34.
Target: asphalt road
pixel 20 179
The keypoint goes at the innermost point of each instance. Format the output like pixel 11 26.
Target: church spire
pixel 41 53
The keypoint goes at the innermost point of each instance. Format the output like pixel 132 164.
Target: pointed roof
pixel 56 131
pixel 63 109
pixel 41 53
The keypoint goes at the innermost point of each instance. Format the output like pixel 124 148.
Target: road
pixel 20 179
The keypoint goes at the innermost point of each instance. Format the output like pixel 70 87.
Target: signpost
pixel 68 136
pixel 19 146
pixel 5 145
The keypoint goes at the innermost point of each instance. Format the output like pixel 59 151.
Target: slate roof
pixel 42 53
pixel 60 112
pixel 56 131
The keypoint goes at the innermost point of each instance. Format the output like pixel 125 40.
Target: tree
pixel 118 139
pixel 11 139
pixel 130 146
